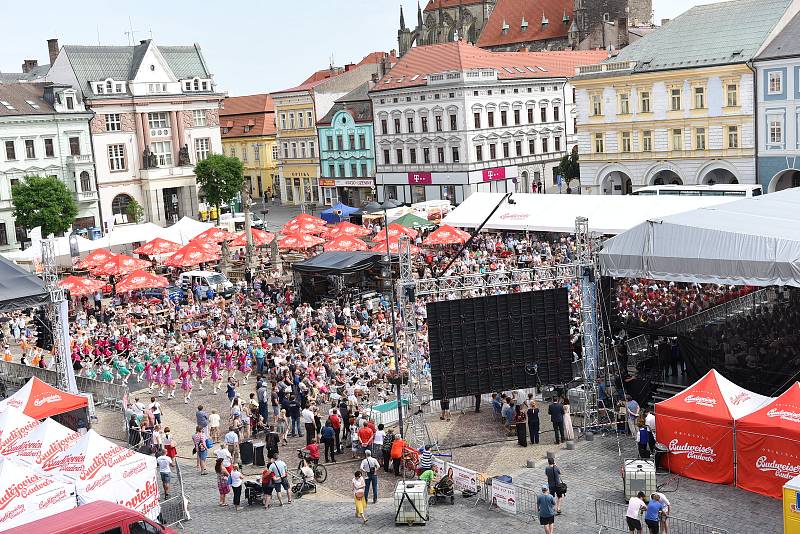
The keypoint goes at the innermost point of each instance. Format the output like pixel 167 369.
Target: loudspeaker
pixel 246 452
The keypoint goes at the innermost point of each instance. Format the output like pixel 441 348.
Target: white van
pixel 218 282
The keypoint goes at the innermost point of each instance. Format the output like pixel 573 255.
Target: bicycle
pixel 320 471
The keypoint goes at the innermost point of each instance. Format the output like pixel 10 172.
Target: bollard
pixel 589 436
pixel 551 454
pixel 530 464
pixel 570 445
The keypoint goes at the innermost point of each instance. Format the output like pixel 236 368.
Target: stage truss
pixel 55 311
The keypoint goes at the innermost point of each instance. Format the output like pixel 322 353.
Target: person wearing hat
pixel 547 509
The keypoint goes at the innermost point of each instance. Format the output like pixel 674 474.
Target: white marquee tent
pixel 27 495
pixel 607 214
pixel 752 241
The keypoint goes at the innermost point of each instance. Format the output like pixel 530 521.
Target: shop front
pixel 420 186
pixel 300 185
pixel 349 191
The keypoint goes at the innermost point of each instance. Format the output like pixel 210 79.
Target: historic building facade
pixel 347 150
pixel 453 119
pixel 156 114
pixel 669 111
pixel 247 126
pixel 44 130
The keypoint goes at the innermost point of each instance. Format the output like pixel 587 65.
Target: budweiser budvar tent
pixel 14 426
pixel 39 399
pixel 697 427
pixel 768 445
pixel 42 444
pixel 27 495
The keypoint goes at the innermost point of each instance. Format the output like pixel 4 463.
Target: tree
pixel 135 211
pixel 220 177
pixel 43 201
pixel 569 167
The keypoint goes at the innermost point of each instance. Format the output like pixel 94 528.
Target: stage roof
pixel 19 288
pixel 607 214
pixel 752 241
pixel 338 263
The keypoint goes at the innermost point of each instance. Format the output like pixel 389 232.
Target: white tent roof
pixel 753 241
pixel 42 443
pixel 557 213
pixel 14 425
pixel 183 230
pixel 28 495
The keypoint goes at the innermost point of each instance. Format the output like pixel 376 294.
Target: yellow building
pixel 248 133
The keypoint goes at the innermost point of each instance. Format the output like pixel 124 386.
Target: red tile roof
pixel 421 61
pixel 511 12
pixel 444 4
pixel 373 58
pixel 236 105
pixel 254 111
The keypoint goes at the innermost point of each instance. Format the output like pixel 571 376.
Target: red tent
pixel 191 254
pixel 260 238
pixel 78 286
pixel 697 427
pixel 446 235
pixel 345 244
pixel 305 217
pixel 141 280
pixel 394 246
pixel 120 264
pixel 39 399
pixel 299 241
pixel 95 257
pixel 346 228
pixel 768 445
pixel 395 231
pixel 157 246
pixel 303 227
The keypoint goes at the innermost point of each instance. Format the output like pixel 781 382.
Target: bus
pixel 717 190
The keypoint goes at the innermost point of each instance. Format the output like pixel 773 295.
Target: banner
pixel 439 467
pixel 765 463
pixel 504 496
pixel 697 450
pixel 463 479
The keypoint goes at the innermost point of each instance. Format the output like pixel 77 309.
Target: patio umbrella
pixel 215 235
pixel 141 280
pixel 119 265
pixel 79 286
pixel 305 217
pixel 347 229
pixel 95 258
pixel 303 227
pixel 395 231
pixel 446 235
pixel 409 220
pixel 194 253
pixel 345 244
pixel 299 242
pixel 210 246
pixel 394 246
pixel 157 246
pixel 260 238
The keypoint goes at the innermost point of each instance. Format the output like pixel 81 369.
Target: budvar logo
pixel 143 495
pixel 137 468
pixel 699 400
pixel 740 398
pixel 514 216
pixel 23 448
pixel 110 458
pixel 785 415
pixel 68 463
pixel 693 452
pixel 10 438
pixel 56 447
pixel 99 482
pixel 55 397
pixel 57 497
pixel 29 486
pixel 11 514
pixel 14 403
pixel 786 471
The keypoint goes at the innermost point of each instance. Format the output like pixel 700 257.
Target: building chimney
pixel 664 22
pixel 52 49
pixel 349 67
pixel 29 64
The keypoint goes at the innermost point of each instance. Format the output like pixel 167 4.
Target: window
pixel 399 152
pixel 294 150
pixel 291 121
pixel 311 150
pixel 412 155
pixel 675 96
pixel 397 126
pixel 362 142
pixel 518 148
pixel 341 170
pixel 531 146
pixel 775 130
pixel 700 138
pixel 530 115
pixel 351 141
pixel 647 141
pixel 453 122
pixel 70 102
pixel 330 143
pixel 339 142
pixel 199 116
pixel 733 137
pixel 775 83
pixel 477 119
pixel 556 113
pixel 163 152
pixel 505 150
pixel 557 144
pixel 143 527
pixel 391 191
pixel 440 154
pixel 353 170
pixel 448 192
pixel 49 151
pixel 30 150
pixel 503 118
pixel 732 93
pixel 492 151
pixel 3 234
pixel 624 104
pixel 410 121
pixel 544 145
pixel 543 112
pixel 426 155
pixel 233 151
pixel 300 121
pixel 10 152
pixel 303 149
pixel 285 150
pixel 597 105
pixel 490 119
pixel 74 146
pixel 625 142
pixel 455 154
pixel 386 159
pixel 364 172
pixel 599 143
pixel 677 139
pixel 159 119
pixel 202 147
pixel 516 117
pixel 644 101
pixel 424 123
pixel 244 153
pixel 275 153
pixel 331 171
pixel 283 121
pixel 113 123
pixel 479 152
pixel 309 120
pixel 86 181
pixel 699 98
pixel 116 157
pixel 438 123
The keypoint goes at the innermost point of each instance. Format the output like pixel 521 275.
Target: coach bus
pixel 717 190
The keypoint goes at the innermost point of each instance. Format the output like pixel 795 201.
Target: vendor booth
pixel 38 399
pixel 337 213
pixel 697 426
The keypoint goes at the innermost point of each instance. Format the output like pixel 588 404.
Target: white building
pixel 451 119
pixel 44 130
pixel 156 114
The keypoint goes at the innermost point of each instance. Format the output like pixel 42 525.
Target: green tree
pixel 569 167
pixel 44 201
pixel 220 177
pixel 135 211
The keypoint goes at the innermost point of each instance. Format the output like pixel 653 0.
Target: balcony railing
pixel 79 159
pixel 86 196
pixel 166 172
pixel 605 67
pixel 6 204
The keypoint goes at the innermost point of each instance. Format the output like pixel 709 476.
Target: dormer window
pixel 196 84
pixel 109 87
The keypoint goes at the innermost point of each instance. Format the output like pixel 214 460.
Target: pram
pixel 253 492
pixel 442 491
pixel 303 485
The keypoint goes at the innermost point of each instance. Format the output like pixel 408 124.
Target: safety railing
pixel 175 510
pixel 610 516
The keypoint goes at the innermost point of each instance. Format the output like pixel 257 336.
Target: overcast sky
pixel 251 46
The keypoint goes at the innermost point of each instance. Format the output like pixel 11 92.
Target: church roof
pixel 786 43
pixel 433 5
pixel 420 62
pixel 505 24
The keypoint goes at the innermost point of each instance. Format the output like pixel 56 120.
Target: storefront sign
pixel 354 183
pixel 491 175
pixel 326 182
pixel 420 178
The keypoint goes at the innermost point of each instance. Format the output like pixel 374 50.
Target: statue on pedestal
pixel 183 157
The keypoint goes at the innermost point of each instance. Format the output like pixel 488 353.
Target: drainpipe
pixel 750 66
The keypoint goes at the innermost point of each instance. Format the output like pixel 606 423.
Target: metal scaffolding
pixel 56 311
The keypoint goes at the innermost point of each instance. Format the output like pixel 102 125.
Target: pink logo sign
pixel 491 175
pixel 420 178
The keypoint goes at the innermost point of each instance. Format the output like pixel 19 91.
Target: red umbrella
pixel 215 235
pixel 305 217
pixel 395 231
pixel 303 227
pixel 79 286
pixel 446 235
pixel 260 238
pixel 120 264
pixel 299 241
pixel 394 246
pixel 345 244
pixel 209 246
pixel 157 246
pixel 194 253
pixel 141 280
pixel 95 258
pixel 348 229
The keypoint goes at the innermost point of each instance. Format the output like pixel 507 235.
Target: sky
pixel 251 46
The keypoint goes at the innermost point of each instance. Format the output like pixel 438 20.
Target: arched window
pixel 86 181
pixel 119 208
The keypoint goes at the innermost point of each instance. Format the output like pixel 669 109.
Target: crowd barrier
pixel 175 510
pixel 610 516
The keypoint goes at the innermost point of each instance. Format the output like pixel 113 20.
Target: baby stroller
pixel 305 484
pixel 253 493
pixel 442 491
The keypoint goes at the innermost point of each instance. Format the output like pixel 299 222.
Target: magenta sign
pixel 491 175
pixel 420 178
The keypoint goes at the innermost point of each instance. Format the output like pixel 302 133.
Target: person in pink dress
pixel 244 365
pixel 158 375
pixel 229 364
pixel 214 369
pixel 186 385
pixel 200 371
pixel 169 381
pixel 149 376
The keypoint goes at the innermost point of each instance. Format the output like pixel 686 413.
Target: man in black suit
pixel 556 411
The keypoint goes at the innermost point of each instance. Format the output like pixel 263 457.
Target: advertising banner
pixel 504 496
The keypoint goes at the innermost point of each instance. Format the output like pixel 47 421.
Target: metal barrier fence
pixel 175 510
pixel 611 516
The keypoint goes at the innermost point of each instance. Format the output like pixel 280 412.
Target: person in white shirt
pixel 377 442
pixel 232 442
pixel 163 462
pixel 369 466
pixel 281 480
pixel 664 517
pixel 650 422
pixel 635 507
pixel 236 479
pixel 213 425
pixel 225 455
pixel 307 415
pixel 155 407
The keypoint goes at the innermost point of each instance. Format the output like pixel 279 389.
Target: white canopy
pixel 26 495
pixel 607 214
pixel 752 241
pixel 43 443
pixel 183 230
pixel 14 425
